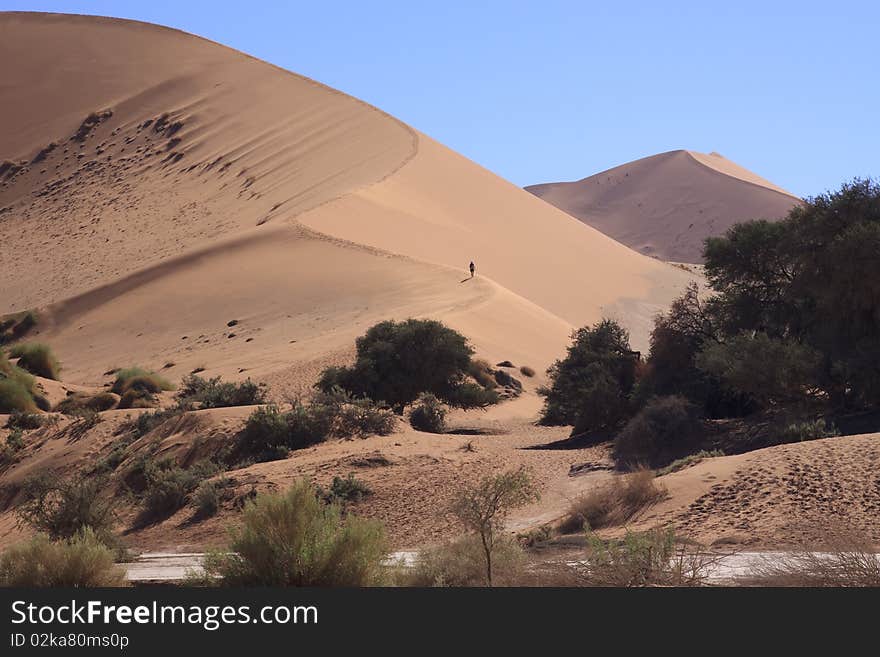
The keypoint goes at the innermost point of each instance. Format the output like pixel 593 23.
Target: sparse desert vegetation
pixel 37 358
pixel 613 503
pixel 428 414
pixel 137 387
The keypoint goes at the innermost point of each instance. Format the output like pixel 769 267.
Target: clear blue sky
pixel 549 90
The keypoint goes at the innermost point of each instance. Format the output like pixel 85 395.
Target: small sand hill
pixel 157 186
pixel 667 204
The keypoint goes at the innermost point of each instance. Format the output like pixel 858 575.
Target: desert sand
pixel 667 204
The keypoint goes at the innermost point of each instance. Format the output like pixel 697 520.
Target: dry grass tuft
pixel 614 503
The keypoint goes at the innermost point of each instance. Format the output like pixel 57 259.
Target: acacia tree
pixel 484 508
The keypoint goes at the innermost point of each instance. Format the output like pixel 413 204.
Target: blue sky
pixel 551 90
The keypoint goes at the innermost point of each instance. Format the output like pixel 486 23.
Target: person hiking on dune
pixel 472 268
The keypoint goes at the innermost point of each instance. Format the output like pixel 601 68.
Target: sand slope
pixel 157 185
pixel 667 204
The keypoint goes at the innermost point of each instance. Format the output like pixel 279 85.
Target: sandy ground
pixel 667 204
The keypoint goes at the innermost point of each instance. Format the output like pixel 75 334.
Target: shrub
pixel 484 508
pixel 296 539
pixel 15 397
pixel 215 393
pixel 851 562
pixel 525 370
pixel 614 503
pixel 482 373
pixel 642 559
pixel 146 422
pixel 24 421
pixel 355 417
pixel 591 387
pixel 37 358
pixel 79 402
pixel 463 563
pixel 665 429
pixel 428 414
pixel 210 494
pixel 265 434
pixel 61 508
pixel 168 486
pixel 807 430
pixel 137 398
pixel 397 361
pixel 15 440
pixel 348 489
pixel 14 327
pixel 81 561
pixel 140 380
pixel 688 461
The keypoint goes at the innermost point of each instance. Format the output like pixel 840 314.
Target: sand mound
pixel 667 204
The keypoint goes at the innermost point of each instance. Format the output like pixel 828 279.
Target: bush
pixel 62 508
pixel 642 559
pixel 348 489
pixel 296 539
pixel 265 434
pixel 397 361
pixel 139 380
pixel 807 430
pixel 354 417
pixel 210 494
pixel 525 370
pixel 463 563
pixel 482 373
pixel 614 503
pixel 428 414
pixel 24 421
pixel 214 393
pixel 591 387
pixel 78 402
pixel 14 327
pixel 146 422
pixel 664 430
pixel 37 358
pixel 168 486
pixel 81 561
pixel 15 397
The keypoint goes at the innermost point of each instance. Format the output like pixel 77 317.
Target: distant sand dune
pixel 667 204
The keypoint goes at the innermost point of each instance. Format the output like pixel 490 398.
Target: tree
pixel 484 508
pixel 398 361
pixel 591 387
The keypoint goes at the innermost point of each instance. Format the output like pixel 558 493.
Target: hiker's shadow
pixel 465 280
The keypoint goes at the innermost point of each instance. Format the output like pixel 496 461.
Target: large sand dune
pixel 667 204
pixel 157 185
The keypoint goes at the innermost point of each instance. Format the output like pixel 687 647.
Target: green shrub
pixel 140 380
pixel 15 440
pixel 347 489
pixel 481 372
pixel 428 414
pixel 591 387
pixel 81 561
pixel 215 393
pixel 265 434
pixel 63 507
pixel 146 422
pixel 807 430
pixel 210 494
pixel 613 503
pixel 296 539
pixel 463 563
pixel 168 486
pixel 24 421
pixel 16 388
pixel 664 430
pixel 525 370
pixel 14 327
pixel 397 361
pixel 688 461
pixel 37 358
pixel 78 402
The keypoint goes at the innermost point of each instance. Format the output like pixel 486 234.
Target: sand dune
pixel 667 204
pixel 157 184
